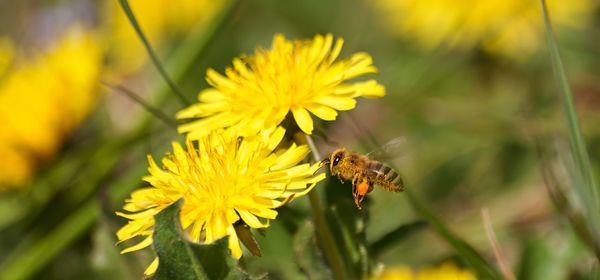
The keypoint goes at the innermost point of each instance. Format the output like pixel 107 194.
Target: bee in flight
pixel 364 173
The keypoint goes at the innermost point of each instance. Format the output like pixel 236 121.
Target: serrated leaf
pixel 182 259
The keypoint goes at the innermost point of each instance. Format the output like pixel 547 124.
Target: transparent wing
pixel 390 150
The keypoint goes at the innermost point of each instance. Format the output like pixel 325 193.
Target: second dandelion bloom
pixel 223 180
pixel 511 28
pixel 301 77
pixel 445 271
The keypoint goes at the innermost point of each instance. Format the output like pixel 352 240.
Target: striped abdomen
pixel 385 176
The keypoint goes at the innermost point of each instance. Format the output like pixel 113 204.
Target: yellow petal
pixel 152 267
pixel 211 95
pixel 251 220
pixel 303 119
pixel 369 89
pixel 338 103
pixel 310 187
pixel 276 137
pixel 217 80
pixel 337 48
pixel 134 216
pixel 266 213
pixel 134 228
pixel 234 243
pixel 145 243
pixel 188 112
pixel 291 157
pixel 322 112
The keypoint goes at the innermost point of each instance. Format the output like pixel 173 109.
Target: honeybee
pixel 364 173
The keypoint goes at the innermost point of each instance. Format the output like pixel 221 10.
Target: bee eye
pixel 336 160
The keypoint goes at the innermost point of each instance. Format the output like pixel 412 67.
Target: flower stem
pixel 324 233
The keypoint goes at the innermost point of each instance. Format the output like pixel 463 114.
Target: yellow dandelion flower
pixel 512 28
pixel 446 271
pixel 293 76
pixel 42 99
pixel 160 20
pixel 222 181
pixel 401 272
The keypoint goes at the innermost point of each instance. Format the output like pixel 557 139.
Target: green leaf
pixel 580 170
pixel 180 258
pixel 394 236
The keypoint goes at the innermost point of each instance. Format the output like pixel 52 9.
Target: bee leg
pixel 355 181
pixel 341 181
pixel 360 187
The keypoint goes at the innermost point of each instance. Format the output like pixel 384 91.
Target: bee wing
pixel 392 149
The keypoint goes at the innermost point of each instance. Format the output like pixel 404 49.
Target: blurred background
pixel 469 86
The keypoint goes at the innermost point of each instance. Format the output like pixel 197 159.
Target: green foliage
pixel 307 254
pixel 577 161
pixel 180 258
pixel 348 227
pixel 391 238
pixel 466 252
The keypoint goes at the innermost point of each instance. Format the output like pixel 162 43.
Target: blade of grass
pixel 462 248
pixel 24 265
pixel 498 254
pixel 153 56
pixel 147 106
pixel 582 176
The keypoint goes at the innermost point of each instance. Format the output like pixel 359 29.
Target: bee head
pixel 335 158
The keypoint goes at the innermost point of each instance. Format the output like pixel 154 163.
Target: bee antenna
pixel 322 163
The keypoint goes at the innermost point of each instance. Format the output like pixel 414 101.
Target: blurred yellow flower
pixel 161 21
pixel 299 76
pixel 42 99
pixel 401 272
pixel 511 28
pixel 222 181
pixel 446 271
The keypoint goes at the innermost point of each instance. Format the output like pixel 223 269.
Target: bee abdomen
pixel 386 177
